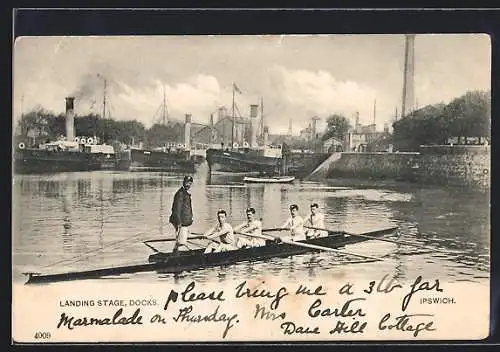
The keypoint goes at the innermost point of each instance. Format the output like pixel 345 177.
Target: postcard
pixel 251 188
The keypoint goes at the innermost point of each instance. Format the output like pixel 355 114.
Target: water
pixel 79 221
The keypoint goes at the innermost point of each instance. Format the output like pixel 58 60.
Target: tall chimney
pixel 314 126
pixel 221 113
pixel 70 119
pixel 187 132
pixel 253 125
pixel 386 127
pixel 266 135
pixel 357 121
pixel 408 77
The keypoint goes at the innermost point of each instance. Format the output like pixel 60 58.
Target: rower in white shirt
pixel 222 233
pixel 317 220
pixel 296 225
pixel 253 227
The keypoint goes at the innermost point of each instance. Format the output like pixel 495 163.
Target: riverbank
pixel 461 166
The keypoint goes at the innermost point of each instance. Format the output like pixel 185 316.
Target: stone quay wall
pixel 456 165
pixel 445 165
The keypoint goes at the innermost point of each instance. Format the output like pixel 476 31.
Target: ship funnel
pixel 253 125
pixel 221 113
pixel 70 119
pixel 314 126
pixel 187 132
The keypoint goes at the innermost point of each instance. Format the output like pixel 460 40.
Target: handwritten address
pixel 345 312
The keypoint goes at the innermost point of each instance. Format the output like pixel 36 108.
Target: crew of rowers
pixel 249 234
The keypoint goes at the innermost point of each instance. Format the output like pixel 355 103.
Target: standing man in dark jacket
pixel 182 213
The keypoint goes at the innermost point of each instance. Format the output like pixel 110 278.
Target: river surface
pixel 78 221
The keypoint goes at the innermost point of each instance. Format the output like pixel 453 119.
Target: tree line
pixel 39 126
pixel 466 116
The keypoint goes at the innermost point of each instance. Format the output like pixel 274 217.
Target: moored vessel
pixel 243 153
pixel 264 179
pixel 171 157
pixel 68 153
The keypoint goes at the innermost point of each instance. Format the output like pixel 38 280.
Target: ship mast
pixel 103 108
pixel 232 119
pixel 104 101
pixel 262 117
pixel 165 112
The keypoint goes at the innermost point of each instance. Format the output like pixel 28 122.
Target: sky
pixel 298 77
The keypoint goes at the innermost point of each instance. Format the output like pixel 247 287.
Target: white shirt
pixel 224 232
pixel 318 221
pixel 254 227
pixel 296 225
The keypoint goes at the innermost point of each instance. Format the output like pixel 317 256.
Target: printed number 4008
pixel 42 335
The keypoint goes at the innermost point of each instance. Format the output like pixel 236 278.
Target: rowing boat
pixel 277 179
pixel 182 261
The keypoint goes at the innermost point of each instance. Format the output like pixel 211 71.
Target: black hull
pixel 245 161
pixel 27 161
pixel 147 160
pixel 193 260
pixel 297 164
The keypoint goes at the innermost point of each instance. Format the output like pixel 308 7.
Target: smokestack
pixel 314 126
pixel 187 132
pixel 253 125
pixel 356 127
pixel 409 75
pixel 221 113
pixel 266 135
pixel 70 119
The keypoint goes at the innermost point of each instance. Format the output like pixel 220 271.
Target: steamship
pixel 260 158
pixel 171 157
pixel 67 154
pixel 248 159
pixel 244 157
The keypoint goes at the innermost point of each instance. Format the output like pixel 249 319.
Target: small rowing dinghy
pixel 276 179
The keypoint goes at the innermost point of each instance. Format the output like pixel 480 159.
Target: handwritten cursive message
pixel 345 309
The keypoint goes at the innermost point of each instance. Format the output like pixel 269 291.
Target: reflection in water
pixel 338 208
pixel 67 196
pixel 101 212
pixel 98 209
pixel 161 214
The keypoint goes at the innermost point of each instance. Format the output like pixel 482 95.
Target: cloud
pixel 298 77
pixel 198 95
pixel 320 93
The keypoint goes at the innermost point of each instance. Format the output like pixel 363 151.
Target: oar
pixel 381 239
pixel 202 236
pixel 313 246
pixel 275 229
pixel 196 237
